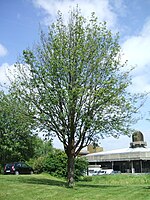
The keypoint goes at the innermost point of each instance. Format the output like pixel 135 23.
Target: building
pixel 94 149
pixel 135 159
pixel 90 149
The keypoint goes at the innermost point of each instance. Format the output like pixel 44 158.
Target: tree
pixel 75 82
pixel 42 147
pixel 16 137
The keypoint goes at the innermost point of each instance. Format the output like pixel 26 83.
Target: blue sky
pixel 21 20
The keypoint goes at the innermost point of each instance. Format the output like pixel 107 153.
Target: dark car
pixel 17 168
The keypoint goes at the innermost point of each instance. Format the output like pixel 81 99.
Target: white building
pixel 136 158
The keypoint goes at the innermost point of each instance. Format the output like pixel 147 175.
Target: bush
pixel 81 165
pixel 55 163
pixel 1 169
pixel 38 165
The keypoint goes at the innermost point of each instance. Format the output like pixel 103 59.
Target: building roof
pixel 125 150
pixel 120 155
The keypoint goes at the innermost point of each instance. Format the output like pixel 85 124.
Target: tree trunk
pixel 70 170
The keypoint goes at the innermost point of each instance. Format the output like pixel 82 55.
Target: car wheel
pixel 31 172
pixel 16 173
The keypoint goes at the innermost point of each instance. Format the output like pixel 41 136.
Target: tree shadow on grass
pixel 44 181
pixel 98 186
pixel 147 187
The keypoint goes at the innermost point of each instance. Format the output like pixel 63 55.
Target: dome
pixel 137 140
pixel 137 137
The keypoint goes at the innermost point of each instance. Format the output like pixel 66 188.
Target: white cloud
pixel 102 8
pixel 3 50
pixel 136 50
pixel 140 83
pixel 5 71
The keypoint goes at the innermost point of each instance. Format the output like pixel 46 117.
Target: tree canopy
pixel 17 140
pixel 74 81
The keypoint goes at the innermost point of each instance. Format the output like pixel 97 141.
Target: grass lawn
pixel 45 187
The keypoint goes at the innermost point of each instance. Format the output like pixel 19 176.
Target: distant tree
pixel 42 147
pixel 16 137
pixel 76 84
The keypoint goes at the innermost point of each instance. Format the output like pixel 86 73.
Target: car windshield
pixel 25 165
pixel 9 165
pixel 18 164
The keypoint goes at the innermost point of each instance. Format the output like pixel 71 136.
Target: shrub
pixel 39 164
pixel 55 163
pixel 1 169
pixel 81 165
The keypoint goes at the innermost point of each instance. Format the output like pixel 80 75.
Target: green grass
pixel 45 187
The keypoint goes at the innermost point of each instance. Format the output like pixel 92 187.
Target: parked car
pixel 95 173
pixel 18 168
pixel 116 172
pixel 101 173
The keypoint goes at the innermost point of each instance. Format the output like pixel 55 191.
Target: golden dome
pixel 137 137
